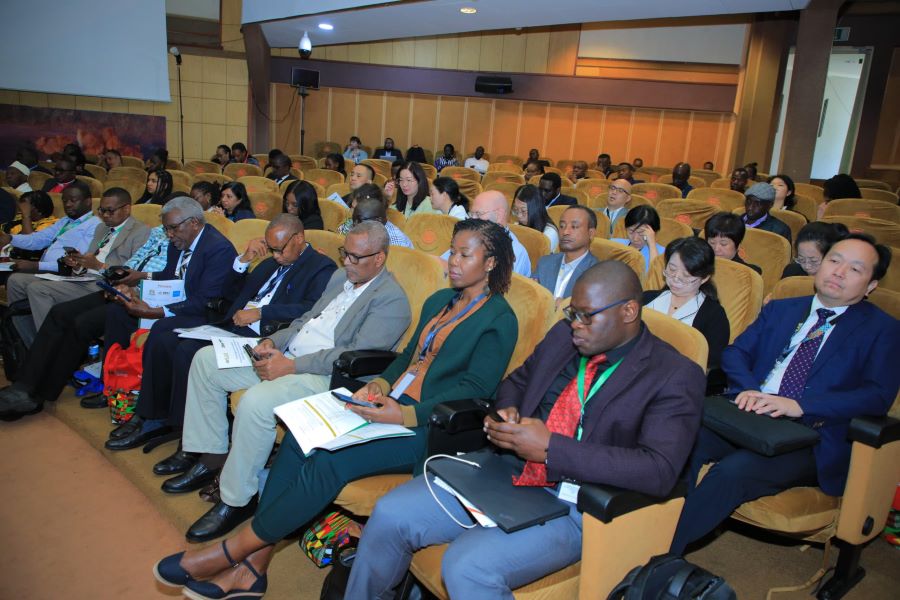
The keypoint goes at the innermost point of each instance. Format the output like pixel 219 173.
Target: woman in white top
pixel 529 210
pixel 446 197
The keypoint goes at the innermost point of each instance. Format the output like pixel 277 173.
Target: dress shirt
pixel 522 264
pixel 108 240
pixel 685 313
pixel 24 188
pixel 442 161
pixel 78 234
pixel 151 257
pixel 479 164
pixel 459 212
pixel 552 235
pixel 356 156
pixel 613 215
pixel 318 333
pixel 565 274
pixel 773 382
pixel 241 267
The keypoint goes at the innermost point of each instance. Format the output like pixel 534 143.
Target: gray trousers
pixel 253 435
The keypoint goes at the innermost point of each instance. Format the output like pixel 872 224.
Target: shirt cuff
pixel 167 312
pixel 238 266
pixel 409 416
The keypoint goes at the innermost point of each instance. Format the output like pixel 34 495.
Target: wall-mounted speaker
pixel 492 84
pixel 304 78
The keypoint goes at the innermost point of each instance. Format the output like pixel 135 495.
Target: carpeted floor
pixel 81 522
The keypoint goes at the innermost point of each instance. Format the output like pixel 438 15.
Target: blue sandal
pixel 204 590
pixel 170 572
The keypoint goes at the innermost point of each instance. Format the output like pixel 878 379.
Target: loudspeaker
pixel 304 78
pixel 493 84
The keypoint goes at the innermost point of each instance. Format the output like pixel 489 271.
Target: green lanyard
pixel 597 385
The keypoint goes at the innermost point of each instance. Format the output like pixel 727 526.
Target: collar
pixel 549 204
pixel 193 245
pixel 817 304
pixel 119 227
pixel 574 263
pixel 82 218
pixel 348 285
pixel 756 223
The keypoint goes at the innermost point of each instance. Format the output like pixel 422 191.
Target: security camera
pixel 305 46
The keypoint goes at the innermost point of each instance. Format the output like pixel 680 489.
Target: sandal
pixel 170 572
pixel 205 590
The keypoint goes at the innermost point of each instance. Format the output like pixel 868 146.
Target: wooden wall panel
pixel 587 134
pixel 478 124
pixel 503 129
pixel 344 105
pixel 886 153
pixel 673 138
pixel 532 127
pixel 644 135
pixel 702 141
pixel 559 131
pixel 615 133
pixel 370 118
pixel 450 122
pixel 396 119
pixel 491 57
pixel 513 59
pixel 424 117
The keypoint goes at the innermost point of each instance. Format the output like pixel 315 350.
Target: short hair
pixel 841 186
pixel 699 260
pixel 188 207
pixel 369 209
pixel 553 178
pixel 751 170
pixel 497 243
pixel 627 164
pixel 366 191
pixel 603 155
pixel 375 232
pixel 280 160
pixel 41 201
pixel 119 194
pixel 642 215
pixel 354 138
pixel 452 149
pixel 208 187
pixel 725 224
pixel 448 185
pixel 790 200
pixel 883 252
pixel 369 168
pixel 162 154
pixel 239 146
pixel 591 215
pixel 273 153
pixel 291 223
pixel 822 234
pixel 539 164
pixel 81 187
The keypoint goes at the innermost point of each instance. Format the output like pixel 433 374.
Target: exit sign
pixel 841 34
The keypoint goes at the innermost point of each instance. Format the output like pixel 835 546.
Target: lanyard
pixel 273 284
pixel 582 367
pixel 68 226
pixel 813 334
pixel 429 339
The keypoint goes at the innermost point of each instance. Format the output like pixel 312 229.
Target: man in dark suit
pixel 281 169
pixel 640 419
pixel 282 288
pixel 559 272
pixel 197 254
pixel 760 198
pixel 550 184
pixel 823 360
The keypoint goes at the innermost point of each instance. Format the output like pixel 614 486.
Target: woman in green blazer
pixel 461 348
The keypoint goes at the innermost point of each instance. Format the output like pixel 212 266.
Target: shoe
pixel 12 392
pixel 136 439
pixel 219 520
pixel 94 401
pixel 126 428
pixel 170 572
pixel 176 464
pixel 195 478
pixel 205 590
pixel 16 403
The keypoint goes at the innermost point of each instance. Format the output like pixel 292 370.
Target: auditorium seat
pixel 721 198
pixel 396 217
pixel 536 243
pixel 221 223
pixel 302 162
pixel 96 171
pixel 670 229
pixel 217 178
pixel 37 179
pixel 255 183
pixel 872 184
pixel 863 207
pixel 690 212
pixel 721 182
pixel 461 173
pixel 133 161
pixel 770 251
pixel 812 191
pixel 341 189
pixel 885 232
pixel 807 207
pixel 791 218
pixel 202 166
pixel 266 204
pixel 469 187
pixel 321 149
pixel 493 177
pixel 95 184
pixel 594 174
pixel 135 189
pixel 430 233
pixel 148 214
pixel 245 230
pixel 333 214
pixel 238 170
pixel 182 177
pixel 505 167
pixel 509 159
pixel 430 171
pixel 656 192
pixel 876 194
pixel 694 181
pixel 508 189
pixel 608 250
pixel 593 187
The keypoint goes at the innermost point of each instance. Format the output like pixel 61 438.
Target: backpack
pixel 669 577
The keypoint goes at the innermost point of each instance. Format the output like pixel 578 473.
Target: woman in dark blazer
pixel 690 295
pixel 234 202
pixel 460 349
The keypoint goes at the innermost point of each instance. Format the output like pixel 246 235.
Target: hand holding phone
pixel 351 400
pixel 70 250
pixel 111 290
pixel 253 355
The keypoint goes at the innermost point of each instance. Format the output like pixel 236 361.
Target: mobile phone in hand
pixel 351 400
pixel 496 416
pixel 70 250
pixel 110 289
pixel 253 355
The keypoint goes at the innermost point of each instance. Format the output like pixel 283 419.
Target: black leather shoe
pixel 126 429
pixel 176 464
pixel 94 401
pixel 136 439
pixel 219 520
pixel 195 478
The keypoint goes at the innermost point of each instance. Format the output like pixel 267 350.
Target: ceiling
pixel 284 21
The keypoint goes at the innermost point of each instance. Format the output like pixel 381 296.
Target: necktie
pixel 563 419
pixel 185 259
pixel 794 380
pixel 270 285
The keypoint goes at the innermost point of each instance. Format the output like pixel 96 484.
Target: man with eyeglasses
pixel 601 400
pixel 363 307
pixel 619 195
pixel 282 287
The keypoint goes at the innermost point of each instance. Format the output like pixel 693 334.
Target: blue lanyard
pixel 273 284
pixel 429 339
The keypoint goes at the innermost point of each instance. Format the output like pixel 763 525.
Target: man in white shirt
pixel 478 162
pixel 559 272
pixel 619 196
pixel 17 177
pixel 363 307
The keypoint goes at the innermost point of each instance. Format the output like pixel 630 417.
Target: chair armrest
pixel 272 327
pixel 359 363
pixel 874 431
pixel 606 502
pixel 219 305
pixel 457 416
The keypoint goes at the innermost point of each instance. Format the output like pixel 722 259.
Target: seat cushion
pixel 802 511
pixel 359 497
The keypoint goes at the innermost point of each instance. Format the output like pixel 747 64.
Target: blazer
pixel 207 273
pixel 375 321
pixel 472 360
pixel 240 214
pixel 301 287
pixel 132 236
pixel 548 270
pixel 711 321
pixel 854 374
pixel 563 200
pixel 639 427
pixel 776 225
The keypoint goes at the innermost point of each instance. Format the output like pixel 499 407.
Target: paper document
pixel 321 421
pixel 335 197
pixel 55 277
pixel 6 266
pixel 161 293
pixel 230 351
pixel 483 519
pixel 203 332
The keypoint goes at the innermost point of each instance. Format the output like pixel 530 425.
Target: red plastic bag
pixel 122 373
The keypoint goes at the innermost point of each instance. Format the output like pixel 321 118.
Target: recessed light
pixel 326 26
pixel 468 10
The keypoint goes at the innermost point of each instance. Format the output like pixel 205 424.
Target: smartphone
pixel 70 250
pixel 108 288
pixel 351 400
pixel 253 355
pixel 496 416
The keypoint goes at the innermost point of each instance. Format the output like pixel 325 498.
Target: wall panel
pixel 615 134
pixel 532 127
pixel 477 126
pixel 370 113
pixel 506 121
pixel 396 119
pixel 424 117
pixel 673 139
pixel 702 141
pixel 644 135
pixel 587 133
pixel 560 126
pixel 450 123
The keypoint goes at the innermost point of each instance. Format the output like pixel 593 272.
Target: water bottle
pixel 93 353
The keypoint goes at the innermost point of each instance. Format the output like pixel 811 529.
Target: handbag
pixel 760 433
pixel 327 535
pixel 122 371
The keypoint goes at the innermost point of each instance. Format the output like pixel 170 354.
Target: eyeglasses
pixel 808 262
pixel 354 258
pixel 280 250
pixel 409 180
pixel 678 278
pixel 109 211
pixel 174 228
pixel 616 189
pixel 480 214
pixel 520 212
pixel 585 318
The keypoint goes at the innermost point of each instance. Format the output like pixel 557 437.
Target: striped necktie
pixel 185 259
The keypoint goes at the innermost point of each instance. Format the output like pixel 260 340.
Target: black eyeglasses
pixel 354 258
pixel 281 250
pixel 109 211
pixel 174 228
pixel 583 317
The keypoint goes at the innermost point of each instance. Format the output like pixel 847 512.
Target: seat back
pixel 536 243
pixel 420 275
pixel 593 187
pixel 721 198
pixel 684 338
pixel 382 167
pixel 791 218
pixel 810 191
pixel 217 178
pixel 238 170
pixel 878 194
pixel 469 187
pixel 656 192
pixel 302 162
pixel 222 224
pixel 322 149
pixel 95 184
pixel 266 204
pixel 862 207
pixel 202 166
pixel 721 182
pixel 694 181
pixel 135 189
pixel 602 225
pixel 884 232
pixel 255 183
pixel 489 179
pixel 708 176
pixel 806 206
pixel 768 250
pixel 341 189
pixel 793 287
pixel 690 212
pixel 327 243
pixel 509 159
pixel 182 177
pixel 96 171
pixel 245 230
pixel 609 250
pixel 323 177
pixel 504 167
pixel 507 188
pixel 535 308
pixel 37 179
pixel 430 233
pixel 459 173
pixel 396 217
pixel 333 214
pixel 872 184
pixel 133 161
pixel 148 214
pixel 670 229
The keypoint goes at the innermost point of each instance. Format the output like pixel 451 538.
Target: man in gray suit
pixel 115 240
pixel 363 307
pixel 558 272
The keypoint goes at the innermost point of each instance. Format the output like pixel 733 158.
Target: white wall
pixel 721 44
pixel 107 48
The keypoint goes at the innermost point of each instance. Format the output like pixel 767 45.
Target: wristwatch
pixel 149 276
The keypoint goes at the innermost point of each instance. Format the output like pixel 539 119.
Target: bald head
pixel 612 288
pixel 619 193
pixel 611 281
pixel 491 206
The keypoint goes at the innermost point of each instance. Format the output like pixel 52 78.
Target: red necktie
pixel 563 419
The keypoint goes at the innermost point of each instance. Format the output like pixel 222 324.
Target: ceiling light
pixel 326 26
pixel 468 10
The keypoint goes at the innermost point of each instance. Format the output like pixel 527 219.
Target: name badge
pixel 251 305
pixel 568 492
pixel 402 385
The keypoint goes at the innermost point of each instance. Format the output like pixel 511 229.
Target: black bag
pixel 335 585
pixel 760 433
pixel 669 577
pixel 12 348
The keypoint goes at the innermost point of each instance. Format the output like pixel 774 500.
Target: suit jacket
pixel 564 200
pixel 776 225
pixel 854 374
pixel 639 427
pixel 548 270
pixel 240 214
pixel 375 321
pixel 300 288
pixel 207 273
pixel 711 321
pixel 132 236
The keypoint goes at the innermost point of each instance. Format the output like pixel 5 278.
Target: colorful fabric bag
pixel 326 536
